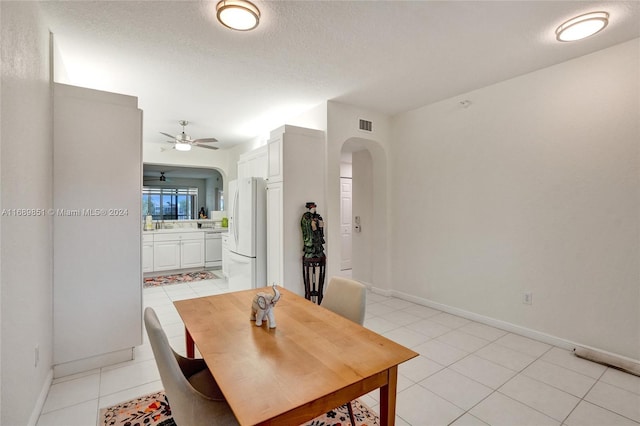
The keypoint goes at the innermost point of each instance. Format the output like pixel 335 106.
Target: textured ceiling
pixel 388 56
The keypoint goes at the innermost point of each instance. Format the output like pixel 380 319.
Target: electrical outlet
pixel 36 356
pixel 527 298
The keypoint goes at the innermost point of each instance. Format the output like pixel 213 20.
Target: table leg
pixel 191 352
pixel 388 398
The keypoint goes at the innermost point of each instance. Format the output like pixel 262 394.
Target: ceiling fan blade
pixel 206 140
pixel 167 134
pixel 205 146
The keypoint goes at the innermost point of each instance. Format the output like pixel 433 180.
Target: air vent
pixel 366 125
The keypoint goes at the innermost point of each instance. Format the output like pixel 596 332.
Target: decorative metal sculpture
pixel 312 232
pixel 262 307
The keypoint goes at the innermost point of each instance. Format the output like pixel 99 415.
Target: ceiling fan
pixel 183 142
pixel 162 178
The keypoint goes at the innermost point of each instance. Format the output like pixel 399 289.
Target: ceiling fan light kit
pixel 183 142
pixel 240 15
pixel 582 26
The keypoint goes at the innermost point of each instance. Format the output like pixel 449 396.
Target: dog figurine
pixel 262 307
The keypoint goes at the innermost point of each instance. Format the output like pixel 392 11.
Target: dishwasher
pixel 213 249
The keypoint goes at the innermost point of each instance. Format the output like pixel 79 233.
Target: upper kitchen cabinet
pixel 97 216
pixel 296 170
pixel 291 150
pixel 253 164
pixel 274 157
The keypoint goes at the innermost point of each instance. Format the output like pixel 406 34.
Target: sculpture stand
pixel 313 275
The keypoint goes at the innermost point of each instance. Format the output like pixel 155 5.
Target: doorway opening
pixel 363 211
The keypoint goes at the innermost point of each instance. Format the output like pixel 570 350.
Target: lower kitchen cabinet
pixel 166 255
pixel 192 253
pixel 177 251
pixel 147 253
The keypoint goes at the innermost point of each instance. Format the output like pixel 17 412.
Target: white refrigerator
pixel 247 234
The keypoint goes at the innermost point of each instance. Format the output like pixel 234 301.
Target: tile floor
pixel 467 373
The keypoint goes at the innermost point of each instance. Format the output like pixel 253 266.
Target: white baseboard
pixel 380 291
pixel 42 397
pixel 503 325
pixel 78 366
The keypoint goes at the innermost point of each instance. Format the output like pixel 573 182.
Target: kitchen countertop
pixel 184 230
pixel 219 230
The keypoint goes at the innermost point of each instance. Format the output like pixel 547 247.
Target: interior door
pixel 345 222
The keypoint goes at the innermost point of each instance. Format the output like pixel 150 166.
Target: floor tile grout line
pixel 539 381
pixel 580 399
pixel 42 413
pixel 608 367
pixel 497 390
pixel 596 380
pixel 597 405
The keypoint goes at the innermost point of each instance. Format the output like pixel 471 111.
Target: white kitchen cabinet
pixel 178 251
pixel 274 158
pixel 274 233
pixel 166 255
pixel 192 250
pixel 253 164
pixel 147 253
pixel 296 171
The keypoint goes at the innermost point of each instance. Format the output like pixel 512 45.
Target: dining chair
pixel 346 298
pixel 193 394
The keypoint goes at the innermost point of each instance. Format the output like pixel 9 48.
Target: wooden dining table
pixel 312 362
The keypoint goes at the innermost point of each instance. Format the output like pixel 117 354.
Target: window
pixel 170 203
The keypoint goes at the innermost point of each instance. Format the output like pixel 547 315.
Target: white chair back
pixel 347 298
pixel 189 407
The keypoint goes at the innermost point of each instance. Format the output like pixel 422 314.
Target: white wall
pixel 314 118
pixel 346 169
pixel 533 187
pixel 25 182
pixel 213 185
pixel 97 258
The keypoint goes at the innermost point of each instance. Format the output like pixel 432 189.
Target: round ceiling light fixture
pixel 240 15
pixel 183 146
pixel 582 26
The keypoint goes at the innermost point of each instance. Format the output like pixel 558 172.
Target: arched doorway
pixel 363 212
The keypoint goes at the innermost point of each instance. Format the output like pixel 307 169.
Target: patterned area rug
pixel 179 278
pixel 154 410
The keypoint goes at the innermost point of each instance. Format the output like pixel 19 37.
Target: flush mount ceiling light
pixel 240 15
pixel 183 146
pixel 582 26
